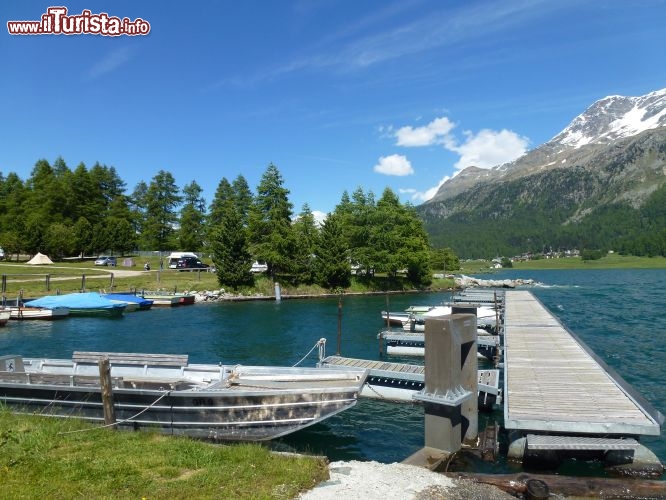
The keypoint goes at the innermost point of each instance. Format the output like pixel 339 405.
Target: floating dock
pixel 554 385
pixel 413 344
pixel 400 381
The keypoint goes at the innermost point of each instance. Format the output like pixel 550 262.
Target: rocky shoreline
pixel 461 282
pixel 469 282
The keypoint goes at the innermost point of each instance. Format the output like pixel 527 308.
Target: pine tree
pixel 307 235
pixel 333 268
pixel 271 236
pixel 161 200
pixel 192 217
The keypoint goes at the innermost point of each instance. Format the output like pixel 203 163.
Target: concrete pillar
pixel 451 384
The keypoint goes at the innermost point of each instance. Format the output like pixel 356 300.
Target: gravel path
pixel 375 481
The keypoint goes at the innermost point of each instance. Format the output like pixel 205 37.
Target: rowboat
pixel 37 313
pixel 168 299
pixel 167 393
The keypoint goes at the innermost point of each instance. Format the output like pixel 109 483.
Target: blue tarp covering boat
pixel 133 302
pixel 81 304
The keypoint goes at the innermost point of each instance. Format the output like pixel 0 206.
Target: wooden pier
pixel 558 395
pixel 554 383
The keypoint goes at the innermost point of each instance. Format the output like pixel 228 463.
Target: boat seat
pixel 56 379
pixel 122 358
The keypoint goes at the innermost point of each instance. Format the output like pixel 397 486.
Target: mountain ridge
pixel 600 183
pixel 606 121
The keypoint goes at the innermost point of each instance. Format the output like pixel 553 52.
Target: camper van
pixel 176 256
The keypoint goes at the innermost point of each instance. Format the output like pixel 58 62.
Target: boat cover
pixel 126 297
pixel 89 300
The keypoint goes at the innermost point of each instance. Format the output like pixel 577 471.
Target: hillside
pixel 598 184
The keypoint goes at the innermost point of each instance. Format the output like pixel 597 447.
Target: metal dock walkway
pixel 553 383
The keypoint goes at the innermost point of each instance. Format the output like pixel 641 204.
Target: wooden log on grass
pixel 531 485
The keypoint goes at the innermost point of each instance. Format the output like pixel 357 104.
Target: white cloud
pixel 421 196
pixel 489 148
pixel 484 149
pixel 394 165
pixel 435 132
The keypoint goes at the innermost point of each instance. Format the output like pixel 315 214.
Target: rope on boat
pixel 321 341
pixel 164 394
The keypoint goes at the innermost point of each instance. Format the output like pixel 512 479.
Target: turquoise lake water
pixel 619 314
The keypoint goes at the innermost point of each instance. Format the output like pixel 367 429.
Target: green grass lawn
pixel 66 458
pixel 610 261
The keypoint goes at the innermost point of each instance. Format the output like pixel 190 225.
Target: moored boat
pixel 168 299
pixel 485 318
pixel 37 313
pixel 398 318
pixel 81 304
pixel 132 302
pixel 166 392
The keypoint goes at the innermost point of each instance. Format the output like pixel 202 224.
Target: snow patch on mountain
pixel 615 117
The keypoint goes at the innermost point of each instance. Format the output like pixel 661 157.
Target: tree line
pixel 87 211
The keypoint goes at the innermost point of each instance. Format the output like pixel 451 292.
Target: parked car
pixel 105 261
pixel 189 264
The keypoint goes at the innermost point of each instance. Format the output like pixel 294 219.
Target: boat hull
pixel 169 300
pixel 103 312
pixel 201 401
pixel 200 414
pixel 34 313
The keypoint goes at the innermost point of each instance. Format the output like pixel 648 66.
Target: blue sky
pixel 337 93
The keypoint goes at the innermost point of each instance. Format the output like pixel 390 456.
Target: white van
pixel 174 256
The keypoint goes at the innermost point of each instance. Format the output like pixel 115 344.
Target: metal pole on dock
pixel 388 319
pixel 339 325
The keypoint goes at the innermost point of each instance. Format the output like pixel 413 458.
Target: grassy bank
pixel 32 281
pixel 53 458
pixel 610 261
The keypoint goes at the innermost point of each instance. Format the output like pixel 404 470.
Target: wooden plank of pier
pixel 554 384
pixel 368 364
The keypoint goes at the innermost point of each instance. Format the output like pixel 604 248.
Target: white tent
pixel 40 259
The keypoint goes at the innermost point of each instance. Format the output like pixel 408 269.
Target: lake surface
pixel 620 314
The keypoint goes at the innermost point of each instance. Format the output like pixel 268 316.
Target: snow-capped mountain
pixel 607 123
pixel 615 117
